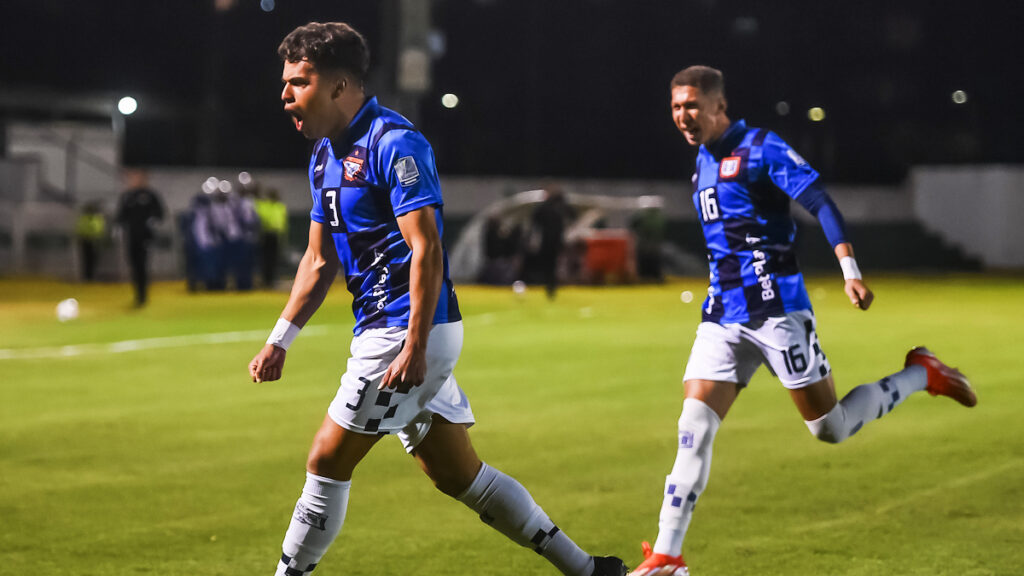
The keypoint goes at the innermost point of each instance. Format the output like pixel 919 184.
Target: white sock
pixel 867 402
pixel 697 427
pixel 317 519
pixel 506 506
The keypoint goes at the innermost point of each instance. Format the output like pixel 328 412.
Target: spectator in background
pixel 227 233
pixel 139 210
pixel 202 245
pixel 90 232
pixel 546 240
pixel 241 251
pixel 273 217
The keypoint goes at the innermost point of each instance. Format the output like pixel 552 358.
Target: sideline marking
pixel 123 346
pixel 96 348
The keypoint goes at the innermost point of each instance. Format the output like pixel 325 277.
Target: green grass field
pixel 167 460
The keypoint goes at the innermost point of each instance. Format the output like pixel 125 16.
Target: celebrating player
pixel 377 216
pixel 757 310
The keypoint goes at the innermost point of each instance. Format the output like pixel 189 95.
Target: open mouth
pixel 296 119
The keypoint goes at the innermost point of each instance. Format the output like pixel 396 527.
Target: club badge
pixel 729 167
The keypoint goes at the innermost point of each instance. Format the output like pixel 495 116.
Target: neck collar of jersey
pixel 358 126
pixel 729 140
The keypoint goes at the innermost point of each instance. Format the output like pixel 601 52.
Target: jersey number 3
pixel 332 204
pixel 709 204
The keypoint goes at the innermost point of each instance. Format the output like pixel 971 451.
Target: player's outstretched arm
pixel 426 271
pixel 860 295
pixel 317 270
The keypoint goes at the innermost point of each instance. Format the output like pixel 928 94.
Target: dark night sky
pixel 557 87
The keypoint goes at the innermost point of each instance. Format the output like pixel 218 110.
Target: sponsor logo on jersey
pixel 729 167
pixel 406 170
pixel 352 167
pixel 795 157
pixel 765 279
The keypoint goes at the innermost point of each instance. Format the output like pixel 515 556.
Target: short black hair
pixel 328 46
pixel 705 78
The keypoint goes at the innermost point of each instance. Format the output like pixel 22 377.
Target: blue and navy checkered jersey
pixel 742 188
pixel 380 169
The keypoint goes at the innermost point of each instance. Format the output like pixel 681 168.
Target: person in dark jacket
pixel 138 211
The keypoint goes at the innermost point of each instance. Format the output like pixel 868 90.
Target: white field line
pixel 934 492
pixel 97 348
pixel 123 346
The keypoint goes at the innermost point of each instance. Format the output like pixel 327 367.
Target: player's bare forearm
pixel 317 269
pixel 313 279
pixel 856 289
pixel 425 272
pixel 425 277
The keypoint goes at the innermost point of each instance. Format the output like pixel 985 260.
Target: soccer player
pixel 376 217
pixel 757 310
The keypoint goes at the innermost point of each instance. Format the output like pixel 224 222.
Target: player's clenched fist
pixel 268 364
pixel 860 295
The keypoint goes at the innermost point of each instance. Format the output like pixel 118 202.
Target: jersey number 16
pixel 709 204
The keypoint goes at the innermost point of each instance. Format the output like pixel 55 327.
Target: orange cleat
pixel 660 564
pixel 942 380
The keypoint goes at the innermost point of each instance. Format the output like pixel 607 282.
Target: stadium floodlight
pixel 449 100
pixel 244 178
pixel 782 108
pixel 959 97
pixel 127 106
pixel 224 186
pixel 816 114
pixel 267 5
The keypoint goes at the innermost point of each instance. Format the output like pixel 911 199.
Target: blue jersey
pixel 742 188
pixel 380 169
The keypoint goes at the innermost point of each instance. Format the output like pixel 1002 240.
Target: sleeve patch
pixel 406 171
pixel 796 158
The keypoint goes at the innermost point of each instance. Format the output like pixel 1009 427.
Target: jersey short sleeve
pixel 784 167
pixel 316 214
pixel 408 170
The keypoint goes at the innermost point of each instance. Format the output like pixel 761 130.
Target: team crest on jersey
pixel 729 167
pixel 406 170
pixel 352 167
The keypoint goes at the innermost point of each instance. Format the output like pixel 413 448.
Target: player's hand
pixel 860 295
pixel 408 369
pixel 268 364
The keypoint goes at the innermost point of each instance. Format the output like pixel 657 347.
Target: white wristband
pixel 850 269
pixel 283 334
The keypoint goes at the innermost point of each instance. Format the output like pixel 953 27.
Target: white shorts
pixel 360 407
pixel 733 352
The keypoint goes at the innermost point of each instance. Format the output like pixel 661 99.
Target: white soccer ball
pixel 67 309
pixel 519 287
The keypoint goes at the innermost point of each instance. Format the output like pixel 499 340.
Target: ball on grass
pixel 67 309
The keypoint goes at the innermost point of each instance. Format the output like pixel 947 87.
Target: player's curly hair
pixel 705 78
pixel 328 46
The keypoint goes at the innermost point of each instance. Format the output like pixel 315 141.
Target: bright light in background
pixel 224 186
pixel 127 105
pixel 816 114
pixel 244 178
pixel 782 108
pixel 210 185
pixel 267 5
pixel 959 97
pixel 449 100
